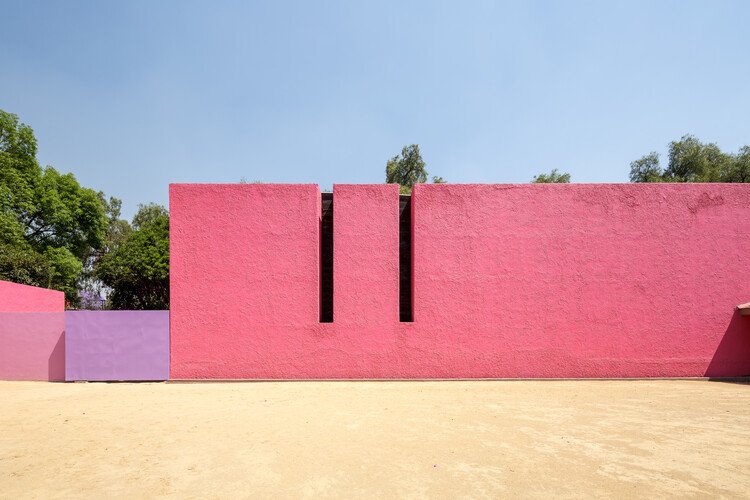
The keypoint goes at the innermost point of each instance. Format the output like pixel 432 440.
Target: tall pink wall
pixel 24 298
pixel 365 254
pixel 582 280
pixel 509 281
pixel 243 278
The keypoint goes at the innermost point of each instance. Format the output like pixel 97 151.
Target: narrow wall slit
pixel 404 260
pixel 326 258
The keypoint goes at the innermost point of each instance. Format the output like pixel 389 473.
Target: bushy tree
pixel 691 160
pixel 554 177
pixel 49 225
pixel 136 270
pixel 408 169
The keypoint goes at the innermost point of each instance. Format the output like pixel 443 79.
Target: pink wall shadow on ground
pixel 509 281
pixel 32 333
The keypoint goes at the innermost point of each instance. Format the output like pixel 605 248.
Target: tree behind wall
pixel 137 268
pixel 691 160
pixel 49 224
pixel 554 177
pixel 408 169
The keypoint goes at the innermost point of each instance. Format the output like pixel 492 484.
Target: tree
pixel 137 269
pixel 49 224
pixel 646 169
pixel 690 160
pixel 408 169
pixel 554 177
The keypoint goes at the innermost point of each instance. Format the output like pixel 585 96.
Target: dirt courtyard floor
pixel 387 439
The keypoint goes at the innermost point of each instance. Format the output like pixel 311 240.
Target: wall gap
pixel 404 260
pixel 326 257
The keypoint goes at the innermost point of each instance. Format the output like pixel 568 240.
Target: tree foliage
pixel 691 160
pixel 136 267
pixel 49 225
pixel 554 177
pixel 408 169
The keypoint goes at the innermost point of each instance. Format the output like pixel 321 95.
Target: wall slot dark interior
pixel 404 260
pixel 326 258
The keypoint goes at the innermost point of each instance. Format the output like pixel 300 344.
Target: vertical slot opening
pixel 404 260
pixel 326 257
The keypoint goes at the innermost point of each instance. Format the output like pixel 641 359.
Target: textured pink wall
pixel 582 280
pixel 509 281
pixel 365 254
pixel 23 298
pixel 244 276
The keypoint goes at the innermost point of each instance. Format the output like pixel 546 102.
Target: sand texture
pixel 481 439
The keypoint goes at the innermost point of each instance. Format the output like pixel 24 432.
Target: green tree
pixel 49 225
pixel 408 169
pixel 137 269
pixel 554 177
pixel 646 169
pixel 690 160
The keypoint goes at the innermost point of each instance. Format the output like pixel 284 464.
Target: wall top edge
pixel 671 185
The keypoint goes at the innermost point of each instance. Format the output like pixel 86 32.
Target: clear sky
pixel 133 95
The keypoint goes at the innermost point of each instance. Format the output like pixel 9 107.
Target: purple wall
pixel 116 345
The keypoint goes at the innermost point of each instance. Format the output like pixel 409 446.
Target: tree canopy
pixel 49 224
pixel 408 169
pixel 691 160
pixel 136 267
pixel 554 177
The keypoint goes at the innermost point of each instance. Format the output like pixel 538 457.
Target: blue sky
pixel 133 95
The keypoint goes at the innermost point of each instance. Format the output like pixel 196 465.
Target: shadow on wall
pixel 732 356
pixel 56 363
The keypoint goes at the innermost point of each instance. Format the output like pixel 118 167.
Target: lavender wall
pixel 116 345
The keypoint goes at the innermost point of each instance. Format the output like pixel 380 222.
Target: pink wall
pixel 365 254
pixel 32 336
pixel 509 281
pixel 23 298
pixel 243 277
pixel 32 346
pixel 580 280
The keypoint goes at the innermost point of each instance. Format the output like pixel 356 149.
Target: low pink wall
pixel 32 346
pixel 509 281
pixel 24 298
pixel 32 333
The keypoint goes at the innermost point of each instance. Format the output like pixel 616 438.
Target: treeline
pixel 689 160
pixel 57 234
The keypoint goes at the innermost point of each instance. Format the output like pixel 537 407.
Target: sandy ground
pixel 386 439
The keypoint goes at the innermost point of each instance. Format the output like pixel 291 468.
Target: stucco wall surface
pixel 116 345
pixel 244 286
pixel 24 298
pixel 581 280
pixel 365 254
pixel 32 346
pixel 509 281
